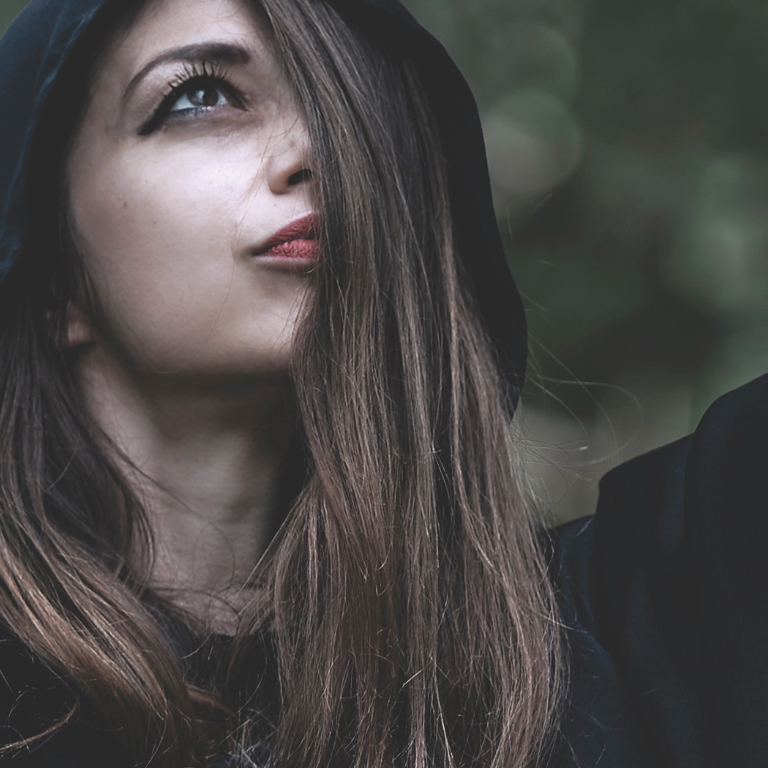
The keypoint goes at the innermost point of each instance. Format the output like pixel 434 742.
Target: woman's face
pixel 191 155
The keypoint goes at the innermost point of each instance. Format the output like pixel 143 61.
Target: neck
pixel 205 460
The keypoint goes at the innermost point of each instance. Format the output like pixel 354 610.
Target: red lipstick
pixel 296 243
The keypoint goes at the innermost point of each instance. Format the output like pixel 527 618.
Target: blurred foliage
pixel 8 9
pixel 628 149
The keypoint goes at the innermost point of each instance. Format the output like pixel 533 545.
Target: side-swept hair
pixel 404 602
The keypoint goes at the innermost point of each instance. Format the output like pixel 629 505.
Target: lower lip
pixel 293 253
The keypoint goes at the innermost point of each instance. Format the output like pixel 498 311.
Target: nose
pixel 289 167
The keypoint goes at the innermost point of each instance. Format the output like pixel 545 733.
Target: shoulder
pixel 32 701
pixel 36 702
pixel 667 581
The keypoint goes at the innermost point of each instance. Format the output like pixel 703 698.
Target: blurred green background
pixel 628 148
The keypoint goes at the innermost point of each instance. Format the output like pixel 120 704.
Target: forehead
pixel 167 24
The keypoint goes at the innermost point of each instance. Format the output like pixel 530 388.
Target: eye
pixel 200 96
pixel 201 88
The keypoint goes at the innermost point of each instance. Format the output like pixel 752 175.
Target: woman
pixel 258 349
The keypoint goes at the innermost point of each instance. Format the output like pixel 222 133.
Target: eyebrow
pixel 227 53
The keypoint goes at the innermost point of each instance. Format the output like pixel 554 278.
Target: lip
pixel 294 244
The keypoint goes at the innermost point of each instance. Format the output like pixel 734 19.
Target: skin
pixel 187 369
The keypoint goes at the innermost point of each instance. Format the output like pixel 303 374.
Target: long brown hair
pixel 403 605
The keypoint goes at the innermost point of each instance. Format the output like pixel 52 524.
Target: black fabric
pixel 35 700
pixel 663 592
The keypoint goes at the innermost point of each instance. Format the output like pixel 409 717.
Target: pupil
pixel 205 97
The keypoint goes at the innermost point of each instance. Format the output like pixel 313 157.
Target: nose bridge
pixel 288 155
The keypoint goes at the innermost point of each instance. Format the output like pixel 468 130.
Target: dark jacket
pixel 664 595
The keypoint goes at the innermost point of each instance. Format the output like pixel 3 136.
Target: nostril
pixel 303 175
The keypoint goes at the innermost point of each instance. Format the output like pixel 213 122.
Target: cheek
pixel 148 241
pixel 162 243
pixel 138 218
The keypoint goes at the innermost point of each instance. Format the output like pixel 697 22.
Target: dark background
pixel 628 147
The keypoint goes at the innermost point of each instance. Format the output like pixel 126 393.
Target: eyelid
pixel 198 71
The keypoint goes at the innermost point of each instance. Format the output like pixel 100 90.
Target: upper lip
pixel 301 229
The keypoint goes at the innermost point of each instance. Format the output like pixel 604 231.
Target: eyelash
pixel 197 73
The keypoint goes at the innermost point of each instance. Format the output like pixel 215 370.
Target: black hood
pixel 37 49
